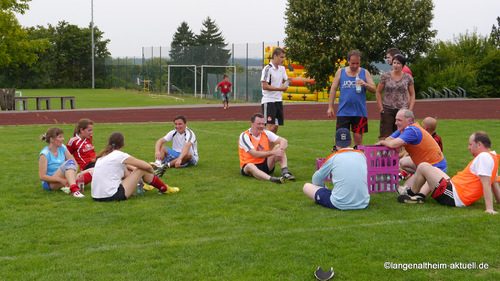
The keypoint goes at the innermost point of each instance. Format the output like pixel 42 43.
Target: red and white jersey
pixel 82 150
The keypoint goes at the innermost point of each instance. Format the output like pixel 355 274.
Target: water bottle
pixel 80 182
pixel 286 83
pixel 140 189
pixel 358 87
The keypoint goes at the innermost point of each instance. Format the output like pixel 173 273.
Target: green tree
pixel 67 62
pixel 181 48
pixel 15 47
pixel 320 32
pixel 495 33
pixel 211 45
pixel 470 61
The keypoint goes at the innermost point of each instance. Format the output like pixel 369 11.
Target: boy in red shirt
pixel 225 88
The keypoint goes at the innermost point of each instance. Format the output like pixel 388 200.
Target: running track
pixel 440 109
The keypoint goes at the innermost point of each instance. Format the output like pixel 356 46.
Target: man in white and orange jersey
pixel 256 159
pixel 478 179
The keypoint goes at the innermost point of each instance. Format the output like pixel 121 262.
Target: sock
pixel 421 195
pixel 284 170
pixel 410 192
pixel 405 174
pixel 168 165
pixel 87 178
pixel 156 182
pixel 73 188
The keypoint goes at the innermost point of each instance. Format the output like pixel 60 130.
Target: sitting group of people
pixel 113 173
pixel 423 160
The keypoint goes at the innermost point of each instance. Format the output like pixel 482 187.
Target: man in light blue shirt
pixel 349 176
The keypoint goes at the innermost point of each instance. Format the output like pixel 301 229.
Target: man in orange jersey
pixel 256 159
pixel 466 187
pixel 419 144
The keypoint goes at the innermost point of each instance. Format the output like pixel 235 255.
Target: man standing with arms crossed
pixel 273 85
pixel 353 81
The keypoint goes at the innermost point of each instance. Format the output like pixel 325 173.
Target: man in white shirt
pixel 184 151
pixel 273 85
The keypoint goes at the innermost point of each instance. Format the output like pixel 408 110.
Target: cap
pixel 343 137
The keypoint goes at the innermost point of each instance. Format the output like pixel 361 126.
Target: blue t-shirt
pixel 351 103
pixel 349 176
pixel 53 162
pixel 410 135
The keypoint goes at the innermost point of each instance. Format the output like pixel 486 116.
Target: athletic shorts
pixel 273 113
pixel 89 165
pixel 443 193
pixel 388 122
pixel 118 196
pixel 356 124
pixel 172 155
pixel 224 97
pixel 262 166
pixel 322 197
pixel 441 165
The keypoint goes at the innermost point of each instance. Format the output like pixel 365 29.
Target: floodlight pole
pixel 92 27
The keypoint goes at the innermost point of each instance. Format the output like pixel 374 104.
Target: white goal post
pixel 219 66
pixel 188 65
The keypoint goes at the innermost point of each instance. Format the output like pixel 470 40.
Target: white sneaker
pixel 78 194
pixel 156 165
pixel 65 189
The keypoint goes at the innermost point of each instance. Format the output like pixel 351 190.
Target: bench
pixel 39 100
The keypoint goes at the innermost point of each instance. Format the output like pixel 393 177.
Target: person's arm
pixel 69 156
pixel 369 84
pixel 267 87
pixel 138 164
pixel 411 91
pixel 488 197
pixel 378 96
pixel 158 145
pixel 282 142
pixel 42 172
pixel 333 93
pixel 391 142
pixel 184 152
pixel 323 172
pixel 496 191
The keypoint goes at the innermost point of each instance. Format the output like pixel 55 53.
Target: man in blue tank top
pixel 353 82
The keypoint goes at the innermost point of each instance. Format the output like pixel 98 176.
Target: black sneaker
pixel 417 199
pixel 277 180
pixel 288 176
pixel 161 170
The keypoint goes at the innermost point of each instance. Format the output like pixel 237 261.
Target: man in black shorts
pixel 353 82
pixel 274 82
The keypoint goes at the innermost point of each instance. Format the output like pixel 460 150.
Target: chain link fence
pixel 151 71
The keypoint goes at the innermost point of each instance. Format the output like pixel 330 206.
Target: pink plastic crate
pixel 383 168
pixel 320 161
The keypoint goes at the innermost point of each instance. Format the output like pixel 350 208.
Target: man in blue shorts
pixel 349 176
pixel 184 151
pixel 419 144
pixel 353 81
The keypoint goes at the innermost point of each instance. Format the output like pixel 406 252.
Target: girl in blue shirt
pixel 56 166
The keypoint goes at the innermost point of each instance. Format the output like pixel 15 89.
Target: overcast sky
pixel 131 25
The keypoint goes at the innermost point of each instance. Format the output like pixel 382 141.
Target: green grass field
pixel 223 226
pixel 111 98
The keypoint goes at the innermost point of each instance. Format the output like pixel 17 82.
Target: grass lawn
pixel 223 226
pixel 112 98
